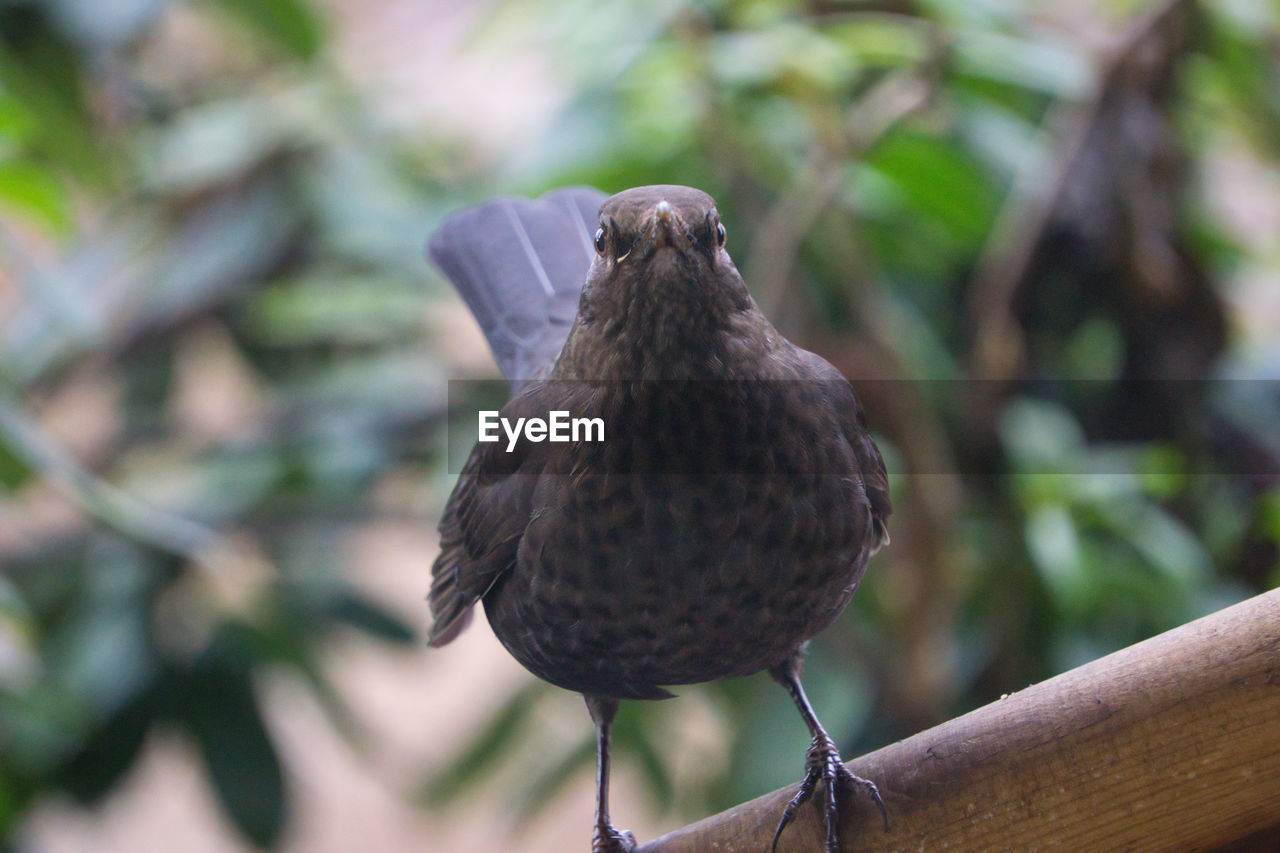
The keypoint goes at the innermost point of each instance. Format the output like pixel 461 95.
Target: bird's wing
pixel 490 510
pixel 520 266
pixel 470 561
pixel 853 422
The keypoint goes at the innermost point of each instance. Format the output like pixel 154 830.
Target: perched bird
pixel 728 514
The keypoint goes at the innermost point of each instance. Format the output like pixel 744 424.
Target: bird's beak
pixel 667 227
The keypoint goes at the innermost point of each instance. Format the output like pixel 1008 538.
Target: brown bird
pixel 729 512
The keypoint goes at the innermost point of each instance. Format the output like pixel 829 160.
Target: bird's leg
pixel 822 763
pixel 606 838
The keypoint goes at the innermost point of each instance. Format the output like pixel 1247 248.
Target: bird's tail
pixel 520 265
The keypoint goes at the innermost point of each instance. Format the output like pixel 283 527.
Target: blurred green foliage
pixel 909 188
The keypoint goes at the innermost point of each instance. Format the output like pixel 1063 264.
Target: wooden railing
pixel 1171 744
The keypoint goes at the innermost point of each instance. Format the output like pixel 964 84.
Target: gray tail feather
pixel 520 265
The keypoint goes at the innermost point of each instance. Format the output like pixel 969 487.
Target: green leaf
pixel 1037 64
pixel 16 123
pixel 1163 540
pixel 546 785
pixel 327 309
pixel 42 72
pixel 220 711
pixel 882 39
pixel 939 179
pixel 344 721
pixel 631 736
pixel 12 802
pixel 372 620
pixel 1269 516
pixel 110 750
pixel 212 144
pixel 486 749
pixel 1054 544
pixel 35 194
pixel 14 471
pixel 291 24
pixel 782 51
pixel 1041 437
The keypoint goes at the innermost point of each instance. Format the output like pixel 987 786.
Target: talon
pixel 610 840
pixel 823 763
pixel 855 782
pixel 802 796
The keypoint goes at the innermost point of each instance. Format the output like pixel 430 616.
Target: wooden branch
pixel 1171 744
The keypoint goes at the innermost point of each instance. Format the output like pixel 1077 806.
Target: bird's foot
pixel 610 840
pixel 823 763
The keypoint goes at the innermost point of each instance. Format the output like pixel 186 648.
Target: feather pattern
pixel 526 245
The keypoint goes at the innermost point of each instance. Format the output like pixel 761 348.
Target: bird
pixel 725 516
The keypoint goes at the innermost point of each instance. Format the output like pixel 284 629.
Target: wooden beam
pixel 1170 744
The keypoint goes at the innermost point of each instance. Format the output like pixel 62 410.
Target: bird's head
pixel 667 226
pixel 661 256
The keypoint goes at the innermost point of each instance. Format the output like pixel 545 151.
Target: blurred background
pixel 1044 243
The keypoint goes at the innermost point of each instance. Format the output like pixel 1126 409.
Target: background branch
pixel 100 500
pixel 791 219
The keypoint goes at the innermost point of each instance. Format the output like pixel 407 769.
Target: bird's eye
pixel 600 244
pixel 720 235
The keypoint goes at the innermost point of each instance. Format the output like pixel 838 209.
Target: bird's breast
pixel 714 531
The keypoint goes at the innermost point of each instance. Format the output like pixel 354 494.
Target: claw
pixel 823 763
pixel 610 840
pixel 802 796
